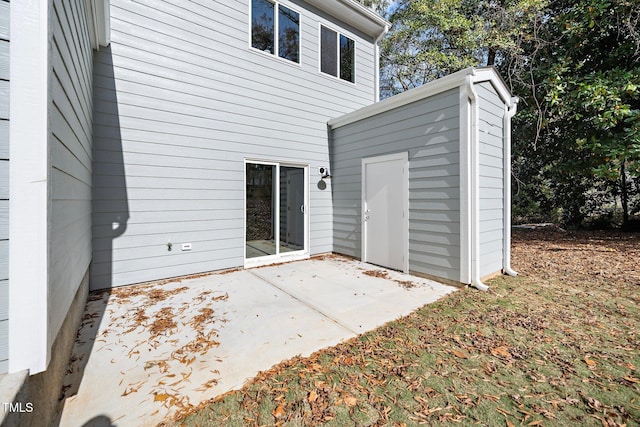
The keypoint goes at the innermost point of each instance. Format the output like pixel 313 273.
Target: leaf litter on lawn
pixel 558 345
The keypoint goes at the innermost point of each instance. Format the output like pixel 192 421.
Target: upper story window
pixel 275 29
pixel 337 54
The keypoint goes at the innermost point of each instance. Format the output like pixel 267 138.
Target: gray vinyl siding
pixel 5 17
pixel 429 131
pixel 491 178
pixel 181 100
pixel 70 157
pixel 4 186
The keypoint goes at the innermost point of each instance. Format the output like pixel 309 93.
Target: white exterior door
pixel 385 225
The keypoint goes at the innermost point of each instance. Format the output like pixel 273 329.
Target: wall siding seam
pixel 71 152
pixel 74 66
pixel 73 62
pixel 57 104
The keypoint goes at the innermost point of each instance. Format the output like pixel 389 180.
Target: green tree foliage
pixel 575 66
pixel 380 6
pixel 578 135
pixel 433 38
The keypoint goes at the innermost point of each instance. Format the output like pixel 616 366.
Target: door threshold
pixel 275 259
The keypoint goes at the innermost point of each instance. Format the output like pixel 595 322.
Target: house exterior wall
pixel 70 148
pixel 4 185
pixel 491 171
pixel 428 130
pixel 50 175
pixel 181 100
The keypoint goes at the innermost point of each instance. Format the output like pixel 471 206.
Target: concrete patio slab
pixel 147 352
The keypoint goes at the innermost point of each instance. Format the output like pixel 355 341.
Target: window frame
pixel 276 32
pixel 339 34
pixel 280 256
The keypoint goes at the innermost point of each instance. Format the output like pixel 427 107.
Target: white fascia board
pixel 99 20
pixel 29 202
pixel 353 13
pixel 432 88
pixel 491 75
pixel 437 86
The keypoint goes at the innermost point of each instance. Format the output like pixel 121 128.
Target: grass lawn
pixel 558 345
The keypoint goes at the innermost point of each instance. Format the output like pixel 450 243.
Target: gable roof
pixel 355 14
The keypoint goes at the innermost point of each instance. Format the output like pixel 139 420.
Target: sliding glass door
pixel 275 211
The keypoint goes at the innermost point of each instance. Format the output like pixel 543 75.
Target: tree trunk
pixel 491 57
pixel 624 195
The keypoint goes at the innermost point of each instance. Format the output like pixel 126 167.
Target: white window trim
pixel 355 56
pixel 276 30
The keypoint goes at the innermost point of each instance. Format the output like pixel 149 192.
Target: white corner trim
pixel 474 162
pixel 99 20
pixel 29 186
pixel 475 77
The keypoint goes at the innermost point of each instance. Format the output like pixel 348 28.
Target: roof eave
pixel 355 14
pixel 432 88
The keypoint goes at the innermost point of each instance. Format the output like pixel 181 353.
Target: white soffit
pixel 354 14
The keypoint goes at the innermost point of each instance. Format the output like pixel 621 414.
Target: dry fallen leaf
pixel 501 351
pixel 589 362
pixel 350 401
pixel 313 396
pixel 503 411
pixel 279 411
pixel 160 397
pixel 459 354
pixel 593 403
